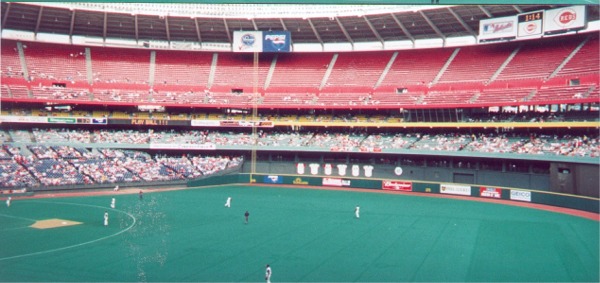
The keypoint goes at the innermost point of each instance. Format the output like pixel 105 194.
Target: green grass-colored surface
pixel 306 235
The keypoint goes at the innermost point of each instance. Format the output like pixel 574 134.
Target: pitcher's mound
pixel 53 223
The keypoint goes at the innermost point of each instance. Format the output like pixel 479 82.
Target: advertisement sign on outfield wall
pixel 487 192
pixel 336 182
pixel 397 186
pixel 520 195
pixel 455 189
pixel 273 179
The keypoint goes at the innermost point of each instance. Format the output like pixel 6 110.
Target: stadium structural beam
pixel 345 32
pixel 136 27
pixel 198 34
pixel 104 26
pixel 254 24
pixel 72 26
pixel 227 30
pixel 485 11
pixel 314 29
pixel 39 20
pixel 404 29
pixel 374 30
pixel 517 8
pixel 462 23
pixel 5 15
pixel 167 31
pixel 285 28
pixel 433 26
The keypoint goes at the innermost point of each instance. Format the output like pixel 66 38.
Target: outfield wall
pixel 477 191
pixel 582 179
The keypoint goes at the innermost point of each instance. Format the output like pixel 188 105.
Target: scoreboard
pixel 533 24
pixel 530 24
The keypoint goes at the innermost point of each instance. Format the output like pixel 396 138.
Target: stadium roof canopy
pixel 215 23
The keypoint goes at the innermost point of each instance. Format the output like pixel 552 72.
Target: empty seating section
pixel 120 65
pixel 397 99
pixel 301 72
pixel 55 62
pixel 476 64
pixel 558 93
pixel 586 61
pixel 121 95
pixel 20 136
pixel 504 95
pixel 18 91
pixel 60 93
pixel 357 70
pixel 415 67
pixel 236 70
pixel 11 64
pixel 538 59
pixel 594 93
pixel 182 68
pixel 449 97
pixel 181 77
pixel 342 99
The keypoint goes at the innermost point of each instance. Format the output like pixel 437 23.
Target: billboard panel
pixel 498 29
pixel 455 189
pixel 276 41
pixel 392 185
pixel 247 41
pixel 564 19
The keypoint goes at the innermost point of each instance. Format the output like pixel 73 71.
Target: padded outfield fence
pixel 583 203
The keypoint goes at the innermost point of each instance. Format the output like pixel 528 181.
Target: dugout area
pixel 306 235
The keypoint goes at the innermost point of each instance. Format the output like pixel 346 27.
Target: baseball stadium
pixel 307 141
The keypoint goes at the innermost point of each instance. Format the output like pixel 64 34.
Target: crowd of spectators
pixel 354 141
pixel 56 156
pixel 40 165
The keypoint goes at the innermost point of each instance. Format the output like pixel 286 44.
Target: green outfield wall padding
pixel 548 198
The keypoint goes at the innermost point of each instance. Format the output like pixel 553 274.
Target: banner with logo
pixel 261 41
pixel 487 192
pixel 273 179
pixel 564 19
pixel 498 29
pixel 455 189
pixel 520 195
pixel 336 182
pixel 276 41
pixel 397 186
pixel 247 41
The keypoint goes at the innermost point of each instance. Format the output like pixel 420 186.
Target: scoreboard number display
pixel 530 24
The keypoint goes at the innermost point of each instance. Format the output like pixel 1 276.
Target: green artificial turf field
pixel 306 235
